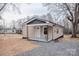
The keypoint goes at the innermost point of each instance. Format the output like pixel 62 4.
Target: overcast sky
pixel 12 13
pixel 26 10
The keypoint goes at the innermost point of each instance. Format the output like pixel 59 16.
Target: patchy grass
pixel 11 44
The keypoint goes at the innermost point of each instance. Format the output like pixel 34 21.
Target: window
pixel 45 31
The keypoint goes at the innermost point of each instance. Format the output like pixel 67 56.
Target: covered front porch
pixel 39 32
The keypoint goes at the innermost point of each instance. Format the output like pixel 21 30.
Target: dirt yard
pixel 68 37
pixel 11 44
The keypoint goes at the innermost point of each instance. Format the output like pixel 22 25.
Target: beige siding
pixel 50 33
pixel 24 31
pixel 31 32
pixel 57 32
pixel 36 34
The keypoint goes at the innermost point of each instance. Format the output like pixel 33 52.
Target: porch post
pixel 27 32
pixel 47 32
pixel 52 32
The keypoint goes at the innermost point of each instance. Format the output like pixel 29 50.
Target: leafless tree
pixel 13 25
pixel 4 7
pixel 71 12
pixel 74 18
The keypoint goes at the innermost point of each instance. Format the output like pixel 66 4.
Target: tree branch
pixel 77 13
pixel 17 8
pixel 3 7
pixel 69 19
pixel 69 11
pixel 78 21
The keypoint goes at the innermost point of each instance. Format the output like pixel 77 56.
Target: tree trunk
pixel 73 30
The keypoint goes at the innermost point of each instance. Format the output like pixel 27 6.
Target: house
pixel 41 30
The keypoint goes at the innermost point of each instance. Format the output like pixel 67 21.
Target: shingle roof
pixel 43 20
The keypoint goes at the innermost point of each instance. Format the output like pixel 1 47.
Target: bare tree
pixel 74 18
pixel 71 12
pixel 4 8
pixel 13 25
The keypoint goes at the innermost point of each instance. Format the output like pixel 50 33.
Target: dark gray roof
pixel 36 20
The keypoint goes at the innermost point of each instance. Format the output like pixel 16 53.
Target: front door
pixel 37 32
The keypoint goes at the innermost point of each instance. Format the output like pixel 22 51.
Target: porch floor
pixel 39 39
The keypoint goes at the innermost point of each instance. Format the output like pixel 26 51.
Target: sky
pixel 26 10
pixel 11 13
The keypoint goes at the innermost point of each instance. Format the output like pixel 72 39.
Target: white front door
pixel 37 32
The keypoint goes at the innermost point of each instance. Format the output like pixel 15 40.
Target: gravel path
pixel 68 48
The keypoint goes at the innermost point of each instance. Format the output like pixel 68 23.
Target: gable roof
pixel 35 20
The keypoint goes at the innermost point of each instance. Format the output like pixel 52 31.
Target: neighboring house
pixel 41 30
pixel 9 30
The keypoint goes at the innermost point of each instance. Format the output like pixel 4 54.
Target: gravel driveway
pixel 68 48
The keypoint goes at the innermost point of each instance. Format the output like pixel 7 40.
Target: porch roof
pixel 48 24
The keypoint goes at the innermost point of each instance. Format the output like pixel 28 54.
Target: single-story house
pixel 41 30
